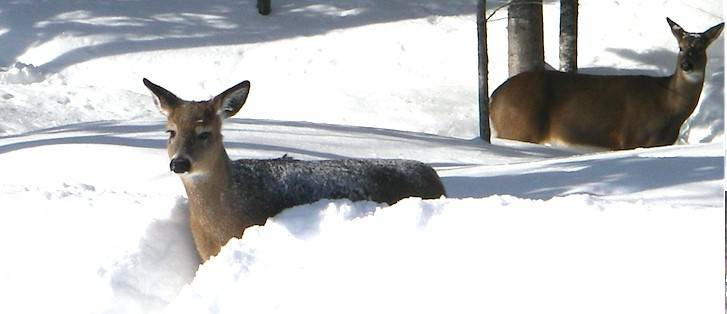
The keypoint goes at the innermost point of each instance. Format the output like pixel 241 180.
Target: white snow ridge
pixel 498 254
pixel 21 73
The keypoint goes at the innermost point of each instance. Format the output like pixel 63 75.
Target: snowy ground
pixel 95 223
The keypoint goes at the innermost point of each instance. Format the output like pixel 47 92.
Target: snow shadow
pixel 84 139
pixel 114 133
pixel 710 113
pixel 604 177
pixel 361 133
pixel 135 26
pixel 655 62
pixel 151 135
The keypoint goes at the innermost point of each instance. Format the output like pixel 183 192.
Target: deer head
pixel 194 127
pixel 692 57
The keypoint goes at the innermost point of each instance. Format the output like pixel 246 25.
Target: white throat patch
pixel 694 76
pixel 194 176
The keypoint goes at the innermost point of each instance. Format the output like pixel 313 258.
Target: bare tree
pixel 525 36
pixel 484 97
pixel 569 36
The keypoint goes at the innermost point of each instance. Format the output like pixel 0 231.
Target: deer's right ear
pixel 713 32
pixel 231 100
pixel 164 99
pixel 677 30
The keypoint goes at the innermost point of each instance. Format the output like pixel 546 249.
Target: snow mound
pixel 464 256
pixel 21 73
pixel 92 248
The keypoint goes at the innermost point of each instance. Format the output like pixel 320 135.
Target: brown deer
pixel 613 112
pixel 226 196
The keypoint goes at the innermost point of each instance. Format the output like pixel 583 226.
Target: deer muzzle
pixel 180 165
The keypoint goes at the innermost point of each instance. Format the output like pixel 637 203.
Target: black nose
pixel 686 65
pixel 180 165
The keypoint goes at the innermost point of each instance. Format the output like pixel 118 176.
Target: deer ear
pixel 712 33
pixel 164 99
pixel 677 30
pixel 231 100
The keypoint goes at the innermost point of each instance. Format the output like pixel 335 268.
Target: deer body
pixel 226 196
pixel 613 112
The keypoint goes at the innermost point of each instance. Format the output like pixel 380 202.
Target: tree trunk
pixel 484 95
pixel 569 36
pixel 263 7
pixel 525 36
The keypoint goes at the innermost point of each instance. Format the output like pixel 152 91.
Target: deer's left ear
pixel 677 30
pixel 231 100
pixel 712 33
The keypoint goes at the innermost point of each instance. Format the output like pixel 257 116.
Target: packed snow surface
pixel 94 222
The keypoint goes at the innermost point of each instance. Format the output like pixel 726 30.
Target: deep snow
pixel 109 224
pixel 498 254
pixel 95 223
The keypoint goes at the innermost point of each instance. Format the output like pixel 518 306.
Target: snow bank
pixel 87 249
pixel 498 254
pixel 688 175
pixel 21 73
pixel 88 232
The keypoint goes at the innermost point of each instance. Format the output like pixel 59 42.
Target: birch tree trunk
pixel 569 36
pixel 525 36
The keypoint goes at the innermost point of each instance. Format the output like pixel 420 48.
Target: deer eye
pixel 203 136
pixel 171 133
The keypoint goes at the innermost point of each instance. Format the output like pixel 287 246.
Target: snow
pixel 21 73
pixel 497 254
pixel 93 221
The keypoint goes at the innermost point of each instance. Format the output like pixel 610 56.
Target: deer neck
pixel 684 91
pixel 210 192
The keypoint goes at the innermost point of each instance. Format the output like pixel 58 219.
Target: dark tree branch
pixel 483 72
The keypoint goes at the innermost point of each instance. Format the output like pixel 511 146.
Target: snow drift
pixel 497 254
pixel 111 236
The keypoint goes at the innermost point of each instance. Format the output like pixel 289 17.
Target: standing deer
pixel 614 112
pixel 226 196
